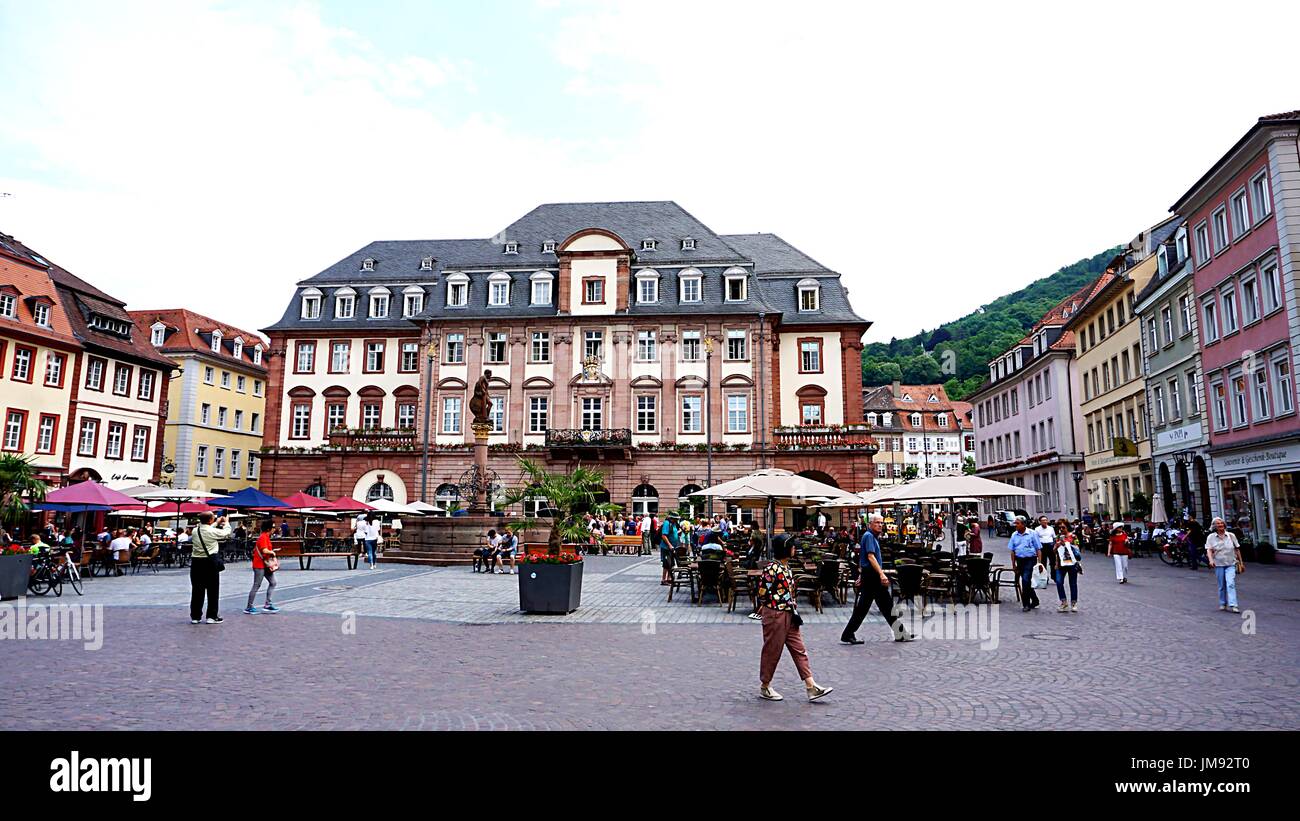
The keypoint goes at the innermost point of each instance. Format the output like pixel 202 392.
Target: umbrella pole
pixel 770 515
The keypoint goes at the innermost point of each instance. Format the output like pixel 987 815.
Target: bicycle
pixel 44 578
pixel 1174 552
pixel 68 572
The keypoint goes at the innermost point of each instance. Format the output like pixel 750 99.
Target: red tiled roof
pixel 31 280
pixel 190 331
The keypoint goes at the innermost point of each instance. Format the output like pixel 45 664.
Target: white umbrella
pixel 426 508
pixel 775 487
pixel 151 493
pixel 386 506
pixel 1158 513
pixel 950 489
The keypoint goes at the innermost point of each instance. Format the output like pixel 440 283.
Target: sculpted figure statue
pixel 479 404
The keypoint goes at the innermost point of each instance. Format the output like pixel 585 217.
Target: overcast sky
pixel 209 155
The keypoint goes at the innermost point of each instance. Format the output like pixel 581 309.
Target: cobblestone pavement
pixel 446 649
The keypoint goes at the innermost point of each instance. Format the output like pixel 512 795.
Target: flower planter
pixel 14 573
pixel 554 589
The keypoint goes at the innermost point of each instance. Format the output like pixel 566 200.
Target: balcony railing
pixel 342 439
pixel 577 438
pixel 825 437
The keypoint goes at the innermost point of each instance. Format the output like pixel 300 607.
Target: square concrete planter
pixel 14 574
pixel 553 589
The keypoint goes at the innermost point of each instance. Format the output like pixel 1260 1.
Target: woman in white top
pixel 1223 552
pixel 1067 565
pixel 372 536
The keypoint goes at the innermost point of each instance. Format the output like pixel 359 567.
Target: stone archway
pixel 381 476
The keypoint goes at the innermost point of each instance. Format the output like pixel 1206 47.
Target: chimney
pixel 896 389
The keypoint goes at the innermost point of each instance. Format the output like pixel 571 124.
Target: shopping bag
pixel 1039 580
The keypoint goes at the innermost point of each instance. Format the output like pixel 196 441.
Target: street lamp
pixel 1183 459
pixel 708 413
pixel 431 354
pixel 1078 494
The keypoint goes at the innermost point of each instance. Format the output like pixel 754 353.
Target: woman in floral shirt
pixel 776 589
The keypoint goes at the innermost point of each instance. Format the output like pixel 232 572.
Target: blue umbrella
pixel 69 508
pixel 248 497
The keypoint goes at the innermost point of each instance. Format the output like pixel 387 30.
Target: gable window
pixel 345 303
pixel 367 264
pixel 8 306
pixel 648 244
pixel 691 287
pixel 41 313
pixel 736 289
pixel 548 246
pixel 457 291
pixel 1261 196
pixel 237 348
pixel 311 304
pixel 512 248
pixel 593 291
pixel 379 304
pixel 647 287
pixel 499 289
pixel 541 288
pixel 455 349
pixel 426 264
pixel 688 244
pixel 216 341
pixel 412 301
pixel 809 295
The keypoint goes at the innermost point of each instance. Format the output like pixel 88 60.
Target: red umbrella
pixel 92 493
pixel 347 504
pixel 305 501
pixel 183 509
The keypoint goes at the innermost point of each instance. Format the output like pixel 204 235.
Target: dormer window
pixel 688 244
pixel 691 286
pixel 512 248
pixel 933 398
pixel 907 397
pixel 499 289
pixel 540 283
pixel 810 295
pixel 412 300
pixel 941 420
pixel 239 347
pixel 647 287
pixel 649 244
pixel 157 334
pixel 345 303
pixel 9 304
pixel 41 313
pixel 915 419
pixel 379 299
pixel 736 286
pixel 548 247
pixel 457 291
pixel 367 264
pixel 426 264
pixel 216 341
pixel 257 358
pixel 871 419
pixel 887 419
pixel 311 304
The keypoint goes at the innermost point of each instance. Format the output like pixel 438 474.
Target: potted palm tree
pixel 552 582
pixel 17 479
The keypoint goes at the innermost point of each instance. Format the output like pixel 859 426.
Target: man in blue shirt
pixel 873 586
pixel 670 536
pixel 1026 552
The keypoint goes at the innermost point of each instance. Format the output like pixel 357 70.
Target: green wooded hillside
pixel 977 337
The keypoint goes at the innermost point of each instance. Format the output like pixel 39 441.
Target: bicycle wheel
pixel 39 583
pixel 1167 556
pixel 56 584
pixel 74 578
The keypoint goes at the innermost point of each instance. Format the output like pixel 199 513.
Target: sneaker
pixel 270 608
pixel 769 694
pixel 1074 607
pixel 217 620
pixel 1063 608
pixel 851 640
pixel 1235 609
pixel 1223 608
pixel 816 691
pixel 754 616
pixel 251 611
pixel 200 621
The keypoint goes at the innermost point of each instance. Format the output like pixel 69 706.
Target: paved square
pixel 447 649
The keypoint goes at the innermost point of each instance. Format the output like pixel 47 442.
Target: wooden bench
pixel 623 545
pixel 290 548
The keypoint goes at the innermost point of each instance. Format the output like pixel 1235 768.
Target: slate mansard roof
pixel 774 268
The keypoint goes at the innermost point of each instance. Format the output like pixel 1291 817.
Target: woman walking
pixel 1118 549
pixel 1223 553
pixel 781 627
pixel 205 578
pixel 264 566
pixel 1068 565
pixel 371 535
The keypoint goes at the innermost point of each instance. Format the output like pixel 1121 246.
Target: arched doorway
pixel 446 498
pixel 1202 489
pixel 820 476
pixel 1167 489
pixel 688 501
pixel 1184 492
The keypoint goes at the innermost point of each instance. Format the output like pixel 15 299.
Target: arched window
pixel 379 490
pixel 536 505
pixel 445 497
pixel 317 490
pixel 645 499
pixel 685 503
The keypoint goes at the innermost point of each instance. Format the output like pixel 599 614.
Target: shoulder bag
pixel 217 562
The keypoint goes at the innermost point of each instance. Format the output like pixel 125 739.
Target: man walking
pixel 647 535
pixel 873 586
pixel 1026 552
pixel 1047 541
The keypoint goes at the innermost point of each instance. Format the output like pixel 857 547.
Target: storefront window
pixel 1286 508
pixel 1236 508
